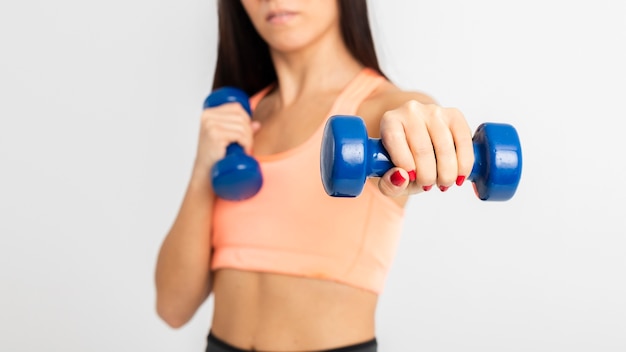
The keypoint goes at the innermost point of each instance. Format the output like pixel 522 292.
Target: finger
pixel 462 135
pixel 394 182
pixel 229 131
pixel 394 139
pixel 414 188
pixel 420 144
pixel 229 116
pixel 443 144
pixel 228 112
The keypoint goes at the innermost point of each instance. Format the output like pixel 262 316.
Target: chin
pixel 287 44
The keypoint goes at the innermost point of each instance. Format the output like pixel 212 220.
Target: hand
pixel 430 145
pixel 219 127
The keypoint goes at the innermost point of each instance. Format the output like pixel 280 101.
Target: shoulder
pixel 385 98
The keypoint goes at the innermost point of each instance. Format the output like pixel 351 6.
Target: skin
pixel 271 312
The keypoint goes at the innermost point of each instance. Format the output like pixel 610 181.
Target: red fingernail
pixel 397 179
pixel 460 180
pixel 412 175
pixel 427 188
pixel 443 188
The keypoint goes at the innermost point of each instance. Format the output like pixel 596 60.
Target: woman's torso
pixel 268 311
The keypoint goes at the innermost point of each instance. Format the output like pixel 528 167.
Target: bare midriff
pixel 272 312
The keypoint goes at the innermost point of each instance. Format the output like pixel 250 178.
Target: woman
pixel 293 269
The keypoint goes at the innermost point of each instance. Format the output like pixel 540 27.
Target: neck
pixel 321 66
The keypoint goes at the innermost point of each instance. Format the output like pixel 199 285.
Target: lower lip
pixel 281 19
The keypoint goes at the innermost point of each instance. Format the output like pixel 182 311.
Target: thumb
pixel 394 182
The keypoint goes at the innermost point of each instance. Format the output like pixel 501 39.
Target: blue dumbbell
pixel 237 176
pixel 348 157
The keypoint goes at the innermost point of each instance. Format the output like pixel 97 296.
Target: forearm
pixel 183 279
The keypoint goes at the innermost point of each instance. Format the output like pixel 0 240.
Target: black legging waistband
pixel 214 344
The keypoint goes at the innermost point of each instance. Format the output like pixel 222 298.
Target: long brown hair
pixel 243 57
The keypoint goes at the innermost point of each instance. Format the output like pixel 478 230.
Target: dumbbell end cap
pixel 342 156
pixel 236 178
pixel 498 166
pixel 228 94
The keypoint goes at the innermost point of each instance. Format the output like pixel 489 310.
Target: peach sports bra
pixel 293 227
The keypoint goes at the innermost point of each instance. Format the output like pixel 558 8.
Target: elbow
pixel 177 308
pixel 174 318
pixel 173 322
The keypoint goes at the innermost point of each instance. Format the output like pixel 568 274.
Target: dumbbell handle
pixel 380 161
pixel 497 161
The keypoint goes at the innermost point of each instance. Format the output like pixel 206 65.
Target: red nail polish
pixel 412 175
pixel 427 188
pixel 460 180
pixel 397 179
pixel 443 188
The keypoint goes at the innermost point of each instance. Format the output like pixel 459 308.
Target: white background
pixel 99 107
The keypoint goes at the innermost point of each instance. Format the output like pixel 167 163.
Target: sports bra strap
pixel 356 92
pixel 256 98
